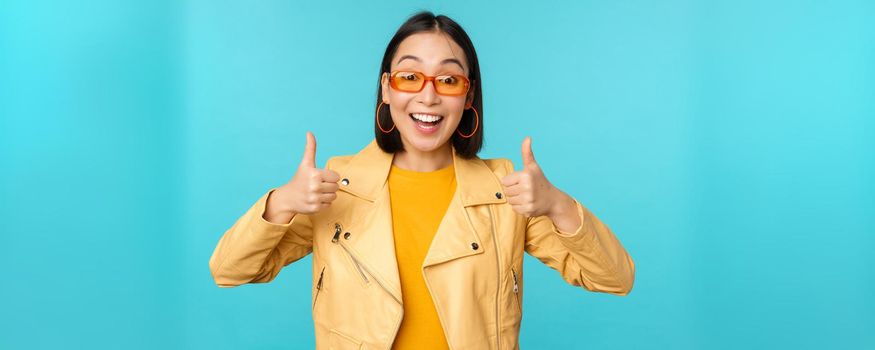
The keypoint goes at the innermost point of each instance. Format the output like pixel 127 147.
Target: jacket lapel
pixel 367 174
pixel 457 235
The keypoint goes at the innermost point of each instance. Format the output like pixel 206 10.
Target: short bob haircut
pixel 427 22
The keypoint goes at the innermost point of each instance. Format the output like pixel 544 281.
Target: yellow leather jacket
pixel 473 269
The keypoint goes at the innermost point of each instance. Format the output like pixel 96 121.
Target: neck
pixel 417 160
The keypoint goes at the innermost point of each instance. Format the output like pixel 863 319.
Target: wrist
pixel 562 205
pixel 274 213
pixel 277 202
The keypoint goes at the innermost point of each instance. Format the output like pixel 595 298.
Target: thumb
pixel 528 156
pixel 309 159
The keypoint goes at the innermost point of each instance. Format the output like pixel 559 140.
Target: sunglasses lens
pixel 451 84
pixel 408 81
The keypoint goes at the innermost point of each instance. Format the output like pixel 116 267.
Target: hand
pixel 528 191
pixel 311 189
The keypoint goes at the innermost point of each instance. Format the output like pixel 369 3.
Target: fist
pixel 311 189
pixel 528 192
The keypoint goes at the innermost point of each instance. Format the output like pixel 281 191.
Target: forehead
pixel 433 49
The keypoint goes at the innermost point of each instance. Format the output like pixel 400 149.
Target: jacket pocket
pixel 318 287
pixel 340 341
pixel 516 289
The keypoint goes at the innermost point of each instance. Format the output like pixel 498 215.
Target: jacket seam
pixel 490 210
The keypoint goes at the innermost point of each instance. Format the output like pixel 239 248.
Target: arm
pixel 563 234
pixel 278 229
pixel 254 250
pixel 590 256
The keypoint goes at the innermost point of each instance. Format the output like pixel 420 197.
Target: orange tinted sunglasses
pixel 411 81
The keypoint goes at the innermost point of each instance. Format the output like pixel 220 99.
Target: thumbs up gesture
pixel 528 191
pixel 309 191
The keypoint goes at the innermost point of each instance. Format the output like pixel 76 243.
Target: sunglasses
pixel 410 81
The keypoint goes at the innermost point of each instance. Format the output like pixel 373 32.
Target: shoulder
pixel 337 162
pixel 365 157
pixel 499 166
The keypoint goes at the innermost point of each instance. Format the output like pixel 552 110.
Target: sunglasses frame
pixel 430 78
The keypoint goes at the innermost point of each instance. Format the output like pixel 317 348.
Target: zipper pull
pixel 337 229
pixel 516 286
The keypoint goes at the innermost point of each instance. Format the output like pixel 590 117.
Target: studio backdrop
pixel 730 146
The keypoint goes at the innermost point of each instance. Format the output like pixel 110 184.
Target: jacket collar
pixel 368 171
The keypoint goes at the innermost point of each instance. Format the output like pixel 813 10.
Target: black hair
pixel 426 21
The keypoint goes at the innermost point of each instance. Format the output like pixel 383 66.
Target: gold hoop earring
pixel 378 120
pixel 476 124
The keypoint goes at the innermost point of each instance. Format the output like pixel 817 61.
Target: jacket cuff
pixel 582 238
pixel 580 216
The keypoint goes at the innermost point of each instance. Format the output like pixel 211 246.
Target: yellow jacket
pixel 473 268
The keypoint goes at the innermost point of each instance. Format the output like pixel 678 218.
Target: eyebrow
pixel 445 61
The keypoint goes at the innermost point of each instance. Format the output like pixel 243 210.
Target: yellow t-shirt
pixel 419 201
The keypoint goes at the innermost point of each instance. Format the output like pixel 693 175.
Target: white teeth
pixel 426 117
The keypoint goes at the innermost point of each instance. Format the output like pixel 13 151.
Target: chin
pixel 426 143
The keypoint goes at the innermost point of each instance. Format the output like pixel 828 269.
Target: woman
pixel 417 243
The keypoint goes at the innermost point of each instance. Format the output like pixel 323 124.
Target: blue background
pixel 730 145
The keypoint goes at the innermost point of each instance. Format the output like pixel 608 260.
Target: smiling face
pixel 426 120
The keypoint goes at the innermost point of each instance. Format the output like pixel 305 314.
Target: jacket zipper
pixel 516 289
pixel 336 239
pixel 318 287
pixel 498 284
pixel 355 262
pixel 361 269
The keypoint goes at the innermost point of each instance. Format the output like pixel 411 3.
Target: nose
pixel 428 96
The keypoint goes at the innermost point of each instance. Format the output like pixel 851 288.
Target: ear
pixel 384 86
pixel 469 100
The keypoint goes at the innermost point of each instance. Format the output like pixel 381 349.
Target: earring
pixel 476 124
pixel 378 121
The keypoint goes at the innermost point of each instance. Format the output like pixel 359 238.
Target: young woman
pixel 417 243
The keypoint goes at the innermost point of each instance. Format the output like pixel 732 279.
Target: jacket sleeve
pixel 591 257
pixel 254 250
